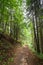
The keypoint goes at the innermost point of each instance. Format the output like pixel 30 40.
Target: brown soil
pixel 22 55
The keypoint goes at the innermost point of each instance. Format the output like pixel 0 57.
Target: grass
pixel 40 55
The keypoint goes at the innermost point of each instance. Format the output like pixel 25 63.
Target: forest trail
pixel 22 54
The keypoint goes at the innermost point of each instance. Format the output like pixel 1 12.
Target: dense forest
pixel 21 32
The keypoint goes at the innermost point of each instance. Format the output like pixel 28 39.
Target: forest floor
pixel 18 55
pixel 24 56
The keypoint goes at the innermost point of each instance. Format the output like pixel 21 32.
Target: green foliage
pixel 28 2
pixel 12 20
pixel 40 55
pixel 12 17
pixel 10 12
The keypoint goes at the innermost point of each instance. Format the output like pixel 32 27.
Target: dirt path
pixel 24 56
